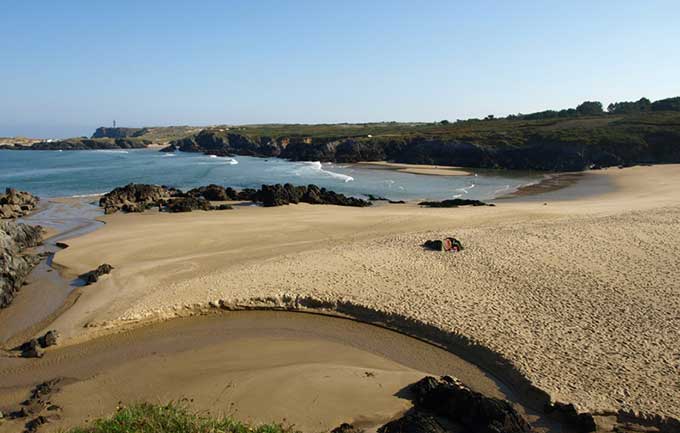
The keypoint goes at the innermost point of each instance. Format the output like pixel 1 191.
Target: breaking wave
pixel 317 168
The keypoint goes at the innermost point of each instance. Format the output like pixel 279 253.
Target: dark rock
pixel 92 276
pixel 214 193
pixel 15 264
pixel 584 422
pixel 372 197
pixel 396 201
pixel 454 203
pixel 347 428
pixel 31 349
pixel 135 198
pixel 187 204
pixel 449 398
pixel 414 422
pixel 35 423
pixel 278 195
pixel 61 245
pixel 49 339
pixel 223 206
pixel 15 204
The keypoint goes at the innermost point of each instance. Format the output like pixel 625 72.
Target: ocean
pixel 92 172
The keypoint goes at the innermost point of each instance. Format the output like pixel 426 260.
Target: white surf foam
pixel 111 151
pixel 96 194
pixel 317 167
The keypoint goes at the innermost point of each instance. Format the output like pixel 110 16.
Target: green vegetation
pixel 171 418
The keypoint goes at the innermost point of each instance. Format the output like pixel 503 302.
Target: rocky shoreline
pixel 140 197
pixel 15 264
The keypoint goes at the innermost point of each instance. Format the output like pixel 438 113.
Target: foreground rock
pixel 456 202
pixel 15 204
pixel 14 264
pixel 92 276
pixel 449 398
pixel 446 405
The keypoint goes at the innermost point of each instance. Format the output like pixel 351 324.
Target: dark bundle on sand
pixel 454 203
pixel 447 244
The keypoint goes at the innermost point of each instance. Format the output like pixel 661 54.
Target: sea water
pixel 92 172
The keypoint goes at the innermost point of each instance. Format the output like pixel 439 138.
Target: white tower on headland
pixel 114 123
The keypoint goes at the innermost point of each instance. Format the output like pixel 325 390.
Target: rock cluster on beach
pixel 33 348
pixel 15 265
pixel 15 204
pixel 38 408
pixel 139 197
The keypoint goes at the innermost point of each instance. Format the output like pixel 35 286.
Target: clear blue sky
pixel 69 66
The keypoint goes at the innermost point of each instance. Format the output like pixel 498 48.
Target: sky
pixel 69 66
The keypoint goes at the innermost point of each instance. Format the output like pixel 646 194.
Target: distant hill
pixel 587 136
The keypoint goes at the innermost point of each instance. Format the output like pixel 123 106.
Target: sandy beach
pixel 576 290
pixel 430 170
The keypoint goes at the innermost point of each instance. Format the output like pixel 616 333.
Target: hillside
pixel 570 143
pixel 557 140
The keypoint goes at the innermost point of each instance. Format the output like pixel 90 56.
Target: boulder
pixel 92 276
pixel 49 339
pixel 135 198
pixel 187 204
pixel 214 193
pixel 15 264
pixel 347 428
pixel 31 349
pixel 449 398
pixel 15 204
pixel 414 422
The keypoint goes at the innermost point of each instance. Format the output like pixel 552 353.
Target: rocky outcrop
pixel 136 198
pixel 34 348
pixel 92 276
pixel 277 195
pixel 14 264
pixel 456 202
pixel 139 197
pixel 15 204
pixel 104 132
pixel 85 144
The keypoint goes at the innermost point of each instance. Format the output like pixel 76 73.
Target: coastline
pixel 422 169
pixel 310 266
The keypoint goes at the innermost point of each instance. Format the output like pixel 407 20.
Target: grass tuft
pixel 171 418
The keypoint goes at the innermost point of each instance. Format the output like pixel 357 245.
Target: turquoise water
pixel 77 173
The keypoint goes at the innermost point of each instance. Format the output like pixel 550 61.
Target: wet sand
pixel 430 170
pixel 310 371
